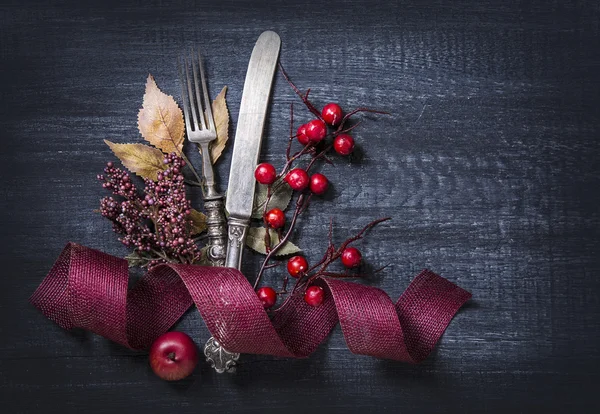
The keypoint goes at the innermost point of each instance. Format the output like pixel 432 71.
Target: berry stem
pixel 292 136
pixel 191 167
pixel 267 233
pixel 321 154
pixel 192 183
pixel 299 207
pixel 355 111
pixel 302 96
pixel 330 256
pixel 345 131
pixel 306 150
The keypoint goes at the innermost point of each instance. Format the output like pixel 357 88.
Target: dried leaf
pixel 203 261
pixel 141 159
pixel 160 120
pixel 198 221
pixel 221 117
pixel 256 241
pixel 282 194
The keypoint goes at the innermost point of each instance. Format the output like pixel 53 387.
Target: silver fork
pixel 200 128
pixel 203 134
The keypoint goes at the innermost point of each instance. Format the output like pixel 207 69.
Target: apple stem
pixel 171 356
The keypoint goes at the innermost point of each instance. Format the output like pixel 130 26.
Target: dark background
pixel 488 167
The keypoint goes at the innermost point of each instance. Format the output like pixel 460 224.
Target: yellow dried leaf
pixel 221 117
pixel 160 120
pixel 141 159
pixel 198 221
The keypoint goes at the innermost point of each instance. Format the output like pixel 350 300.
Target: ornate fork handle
pixel 215 213
pixel 216 228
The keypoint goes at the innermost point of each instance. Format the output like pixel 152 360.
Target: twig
pixel 283 240
pixel 304 97
pixel 316 157
pixel 291 138
pixel 357 110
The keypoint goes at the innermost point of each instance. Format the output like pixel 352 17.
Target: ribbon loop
pixel 88 289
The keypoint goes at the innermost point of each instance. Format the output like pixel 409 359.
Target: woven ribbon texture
pixel 88 289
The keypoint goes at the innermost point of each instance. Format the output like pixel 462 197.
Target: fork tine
pixel 191 94
pixel 184 98
pixel 198 98
pixel 207 104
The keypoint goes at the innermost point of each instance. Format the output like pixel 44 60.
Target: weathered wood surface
pixel 488 167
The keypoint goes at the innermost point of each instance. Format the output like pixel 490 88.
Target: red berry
pixel 332 114
pixel 314 295
pixel 296 266
pixel 343 144
pixel 297 179
pixel 275 218
pixel 318 184
pixel 351 257
pixel 301 135
pixel 315 130
pixel 265 173
pixel 267 296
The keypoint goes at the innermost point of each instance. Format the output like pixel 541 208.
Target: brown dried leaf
pixel 198 222
pixel 221 117
pixel 141 159
pixel 256 241
pixel 160 120
pixel 203 261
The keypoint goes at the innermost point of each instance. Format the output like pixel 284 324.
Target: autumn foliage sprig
pixel 158 222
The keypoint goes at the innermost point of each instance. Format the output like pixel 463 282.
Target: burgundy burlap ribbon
pixel 88 289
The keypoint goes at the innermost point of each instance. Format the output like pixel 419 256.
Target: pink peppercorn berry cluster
pixel 156 225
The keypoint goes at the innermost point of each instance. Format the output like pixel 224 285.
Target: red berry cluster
pixel 315 131
pixel 309 135
pixel 318 136
pixel 298 268
pixel 156 225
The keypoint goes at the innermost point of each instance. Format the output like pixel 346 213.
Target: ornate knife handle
pixel 215 228
pixel 237 237
pixel 221 359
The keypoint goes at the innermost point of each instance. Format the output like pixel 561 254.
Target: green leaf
pixel 282 195
pixel 256 241
pixel 134 259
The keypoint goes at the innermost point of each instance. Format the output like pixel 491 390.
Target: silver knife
pixel 246 147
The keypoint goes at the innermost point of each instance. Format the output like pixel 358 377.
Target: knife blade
pixel 248 137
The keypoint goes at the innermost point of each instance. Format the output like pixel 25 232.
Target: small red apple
pixel 173 356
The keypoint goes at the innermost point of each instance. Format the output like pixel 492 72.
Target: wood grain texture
pixel 488 167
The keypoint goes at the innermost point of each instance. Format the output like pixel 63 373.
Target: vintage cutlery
pixel 200 128
pixel 246 147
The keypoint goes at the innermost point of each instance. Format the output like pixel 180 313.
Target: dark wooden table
pixel 488 167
